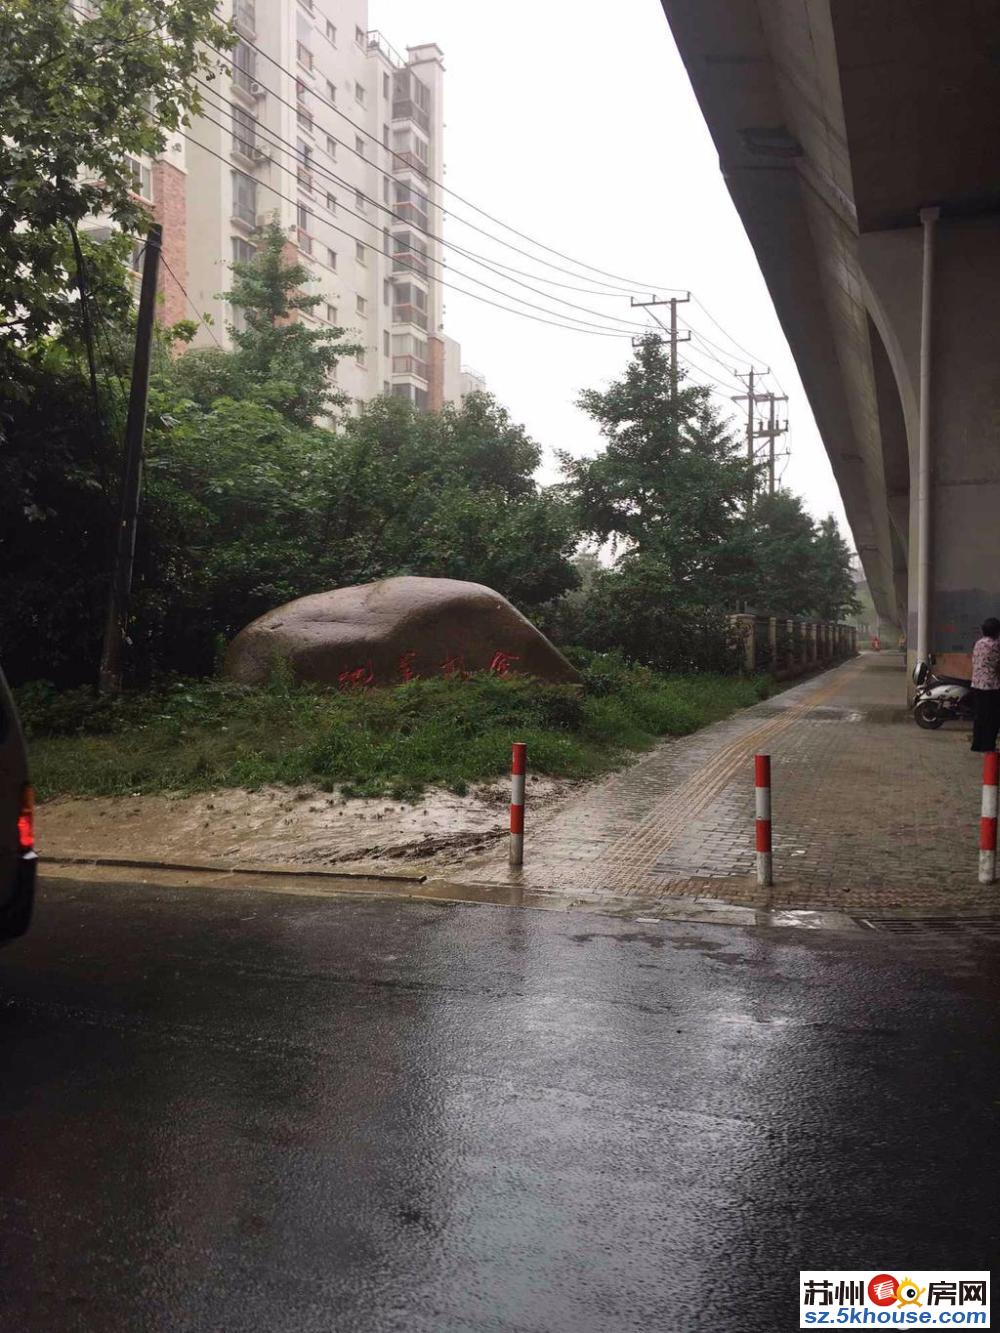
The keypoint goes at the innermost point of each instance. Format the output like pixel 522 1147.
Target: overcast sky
pixel 586 136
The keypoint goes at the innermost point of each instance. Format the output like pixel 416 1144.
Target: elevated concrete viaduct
pixel 860 141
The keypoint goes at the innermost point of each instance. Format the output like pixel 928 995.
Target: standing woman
pixel 986 687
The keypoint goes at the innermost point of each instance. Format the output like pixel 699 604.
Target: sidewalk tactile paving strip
pixel 870 812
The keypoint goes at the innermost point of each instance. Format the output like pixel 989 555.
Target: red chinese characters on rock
pixel 455 667
pixel 358 678
pixel 405 669
pixel 500 666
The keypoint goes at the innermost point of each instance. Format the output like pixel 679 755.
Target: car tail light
pixel 26 819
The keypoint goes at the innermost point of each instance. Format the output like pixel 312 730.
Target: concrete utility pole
pixel 770 432
pixel 751 399
pixel 673 302
pixel 110 678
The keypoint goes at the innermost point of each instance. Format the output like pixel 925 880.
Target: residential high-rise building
pixel 325 128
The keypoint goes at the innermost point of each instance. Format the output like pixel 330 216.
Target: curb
pixel 230 868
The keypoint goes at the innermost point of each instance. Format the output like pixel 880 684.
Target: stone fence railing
pixel 790 647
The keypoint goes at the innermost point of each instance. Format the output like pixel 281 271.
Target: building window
pixel 359 94
pixel 386 387
pixel 411 205
pixel 359 200
pixel 362 305
pixel 359 145
pixel 360 253
pixel 142 177
pixel 385 189
pixel 409 305
pixel 331 33
pixel 331 146
pixel 244 14
pixel 410 149
pixel 331 202
pixel 359 36
pixel 243 251
pixel 304 56
pixel 244 67
pixel 303 220
pixel 385 342
pixel 386 291
pixel 331 314
pixel 245 198
pixel 304 119
pixel 385 136
pixel 331 258
pixel 331 91
pixel 304 154
pixel 244 132
pixel 385 85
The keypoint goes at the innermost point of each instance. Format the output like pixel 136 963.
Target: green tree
pixel 836 592
pixel 278 358
pixel 83 89
pixel 781 576
pixel 796 566
pixel 670 484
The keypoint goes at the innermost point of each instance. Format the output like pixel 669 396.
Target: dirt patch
pixel 292 826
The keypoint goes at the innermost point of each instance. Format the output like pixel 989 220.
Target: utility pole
pixel 673 302
pixel 751 400
pixel 110 678
pixel 770 432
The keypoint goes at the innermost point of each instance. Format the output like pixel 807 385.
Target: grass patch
pixel 195 736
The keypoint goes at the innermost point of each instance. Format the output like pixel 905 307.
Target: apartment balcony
pixel 409 261
pixel 405 159
pixel 404 108
pixel 412 213
pixel 409 365
pixel 304 241
pixel 409 314
pixel 376 42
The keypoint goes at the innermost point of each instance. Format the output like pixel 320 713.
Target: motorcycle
pixel 940 699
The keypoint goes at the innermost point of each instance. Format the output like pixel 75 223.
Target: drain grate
pixel 951 925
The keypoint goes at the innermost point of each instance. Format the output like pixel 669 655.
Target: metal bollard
pixel 988 819
pixel 518 766
pixel 762 795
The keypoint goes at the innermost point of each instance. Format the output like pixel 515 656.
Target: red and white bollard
pixel 518 766
pixel 988 821
pixel 762 793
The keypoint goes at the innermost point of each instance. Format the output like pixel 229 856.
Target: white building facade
pixel 327 129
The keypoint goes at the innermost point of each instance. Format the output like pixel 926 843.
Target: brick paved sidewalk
pixel 869 811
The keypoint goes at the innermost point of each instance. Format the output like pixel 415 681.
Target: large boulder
pixel 387 632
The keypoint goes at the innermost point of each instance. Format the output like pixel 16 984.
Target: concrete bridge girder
pixel 836 121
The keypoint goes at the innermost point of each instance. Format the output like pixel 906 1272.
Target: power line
pixel 309 164
pixel 573 328
pixel 360 129
pixel 200 318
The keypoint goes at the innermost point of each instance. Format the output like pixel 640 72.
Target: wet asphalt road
pixel 245 1111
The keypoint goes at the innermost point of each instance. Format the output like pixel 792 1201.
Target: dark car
pixel 17 825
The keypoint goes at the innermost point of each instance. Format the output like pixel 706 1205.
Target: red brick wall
pixel 170 211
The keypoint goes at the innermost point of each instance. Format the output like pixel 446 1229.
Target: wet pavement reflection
pixel 249 1111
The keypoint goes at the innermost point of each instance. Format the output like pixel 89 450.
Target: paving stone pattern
pixel 869 811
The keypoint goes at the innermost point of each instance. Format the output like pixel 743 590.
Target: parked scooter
pixel 940 699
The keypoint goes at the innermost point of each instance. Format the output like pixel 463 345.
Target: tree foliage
pixel 667 501
pixel 253 498
pixel 83 88
pixel 278 359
